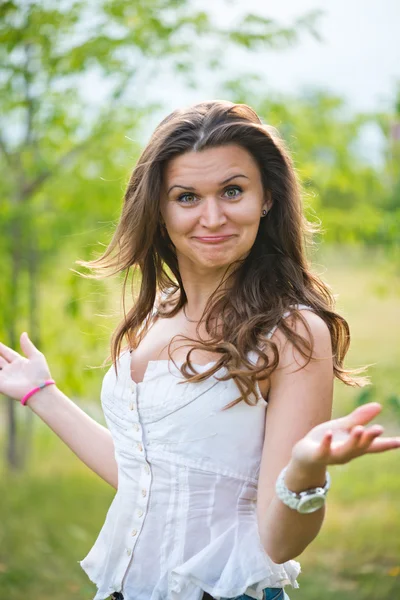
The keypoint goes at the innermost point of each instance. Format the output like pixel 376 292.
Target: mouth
pixel 214 239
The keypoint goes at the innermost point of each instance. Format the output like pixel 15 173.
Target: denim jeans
pixel 268 594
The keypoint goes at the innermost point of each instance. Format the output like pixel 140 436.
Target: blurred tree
pixel 54 141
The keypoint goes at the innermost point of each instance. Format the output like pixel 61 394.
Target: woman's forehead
pixel 211 163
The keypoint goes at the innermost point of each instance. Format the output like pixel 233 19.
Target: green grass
pixel 52 516
pixel 52 513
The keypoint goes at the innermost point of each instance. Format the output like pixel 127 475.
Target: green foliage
pixel 255 31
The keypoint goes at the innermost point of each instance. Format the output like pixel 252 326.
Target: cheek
pixel 179 223
pixel 246 216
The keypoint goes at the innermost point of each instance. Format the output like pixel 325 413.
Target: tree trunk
pixel 33 265
pixel 13 458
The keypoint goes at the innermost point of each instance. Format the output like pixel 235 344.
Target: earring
pixel 264 212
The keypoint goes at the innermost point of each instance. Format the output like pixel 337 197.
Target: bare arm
pixel 88 439
pixel 298 401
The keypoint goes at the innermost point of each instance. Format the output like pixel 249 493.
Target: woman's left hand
pixel 340 440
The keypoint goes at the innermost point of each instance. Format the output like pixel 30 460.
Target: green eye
pixel 180 198
pixel 235 188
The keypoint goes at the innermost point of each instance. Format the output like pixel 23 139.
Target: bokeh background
pixel 82 86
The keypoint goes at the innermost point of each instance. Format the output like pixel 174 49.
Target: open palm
pixel 19 374
pixel 340 440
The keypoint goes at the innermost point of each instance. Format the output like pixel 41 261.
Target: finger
pixel 383 444
pixel 325 444
pixel 369 435
pixel 8 353
pixel 357 434
pixel 3 362
pixel 350 442
pixel 361 415
pixel 28 347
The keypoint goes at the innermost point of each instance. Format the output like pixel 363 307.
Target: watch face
pixel 310 503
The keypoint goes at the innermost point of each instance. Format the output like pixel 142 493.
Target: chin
pixel 216 263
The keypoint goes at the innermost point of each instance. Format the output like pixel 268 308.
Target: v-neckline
pixel 159 362
pixel 178 362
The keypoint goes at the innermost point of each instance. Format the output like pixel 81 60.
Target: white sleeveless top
pixel 183 520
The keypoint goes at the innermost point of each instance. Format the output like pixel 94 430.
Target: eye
pixel 234 188
pixel 183 196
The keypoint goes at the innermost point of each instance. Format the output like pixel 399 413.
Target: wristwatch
pixel 304 502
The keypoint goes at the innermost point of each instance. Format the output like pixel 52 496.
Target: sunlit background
pixel 83 84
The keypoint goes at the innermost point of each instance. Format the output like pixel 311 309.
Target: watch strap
pixel 292 499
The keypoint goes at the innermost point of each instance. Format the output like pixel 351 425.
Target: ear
pixel 267 204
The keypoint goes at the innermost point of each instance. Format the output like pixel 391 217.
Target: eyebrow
pixel 192 189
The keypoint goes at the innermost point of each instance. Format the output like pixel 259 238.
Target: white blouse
pixel 183 520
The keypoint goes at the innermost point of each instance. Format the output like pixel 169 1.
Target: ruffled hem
pixel 232 564
pixel 101 594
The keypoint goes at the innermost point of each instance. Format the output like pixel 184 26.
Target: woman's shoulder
pixel 309 323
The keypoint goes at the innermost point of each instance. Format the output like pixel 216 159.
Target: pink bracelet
pixel 36 389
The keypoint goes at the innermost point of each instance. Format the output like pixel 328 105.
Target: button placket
pixel 137 521
pixel 144 482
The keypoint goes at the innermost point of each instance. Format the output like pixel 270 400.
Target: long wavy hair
pixel 274 276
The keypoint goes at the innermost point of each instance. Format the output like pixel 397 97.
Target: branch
pixel 32 186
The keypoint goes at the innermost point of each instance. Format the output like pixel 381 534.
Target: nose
pixel 212 214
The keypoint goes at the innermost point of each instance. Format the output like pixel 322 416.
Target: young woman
pixel 216 495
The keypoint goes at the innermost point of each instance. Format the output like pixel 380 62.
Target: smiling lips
pixel 215 239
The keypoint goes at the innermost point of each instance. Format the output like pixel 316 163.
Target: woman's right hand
pixel 18 375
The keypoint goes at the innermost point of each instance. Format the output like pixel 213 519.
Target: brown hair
pixel 274 276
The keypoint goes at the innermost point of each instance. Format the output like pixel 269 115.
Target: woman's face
pixel 212 193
